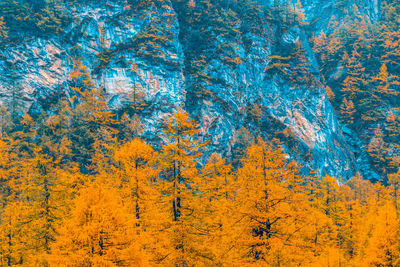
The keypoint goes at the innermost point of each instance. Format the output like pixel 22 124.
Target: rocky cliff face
pixel 107 36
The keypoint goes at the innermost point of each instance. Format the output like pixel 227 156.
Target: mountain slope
pixel 231 64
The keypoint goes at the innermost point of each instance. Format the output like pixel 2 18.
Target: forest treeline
pixel 358 61
pixel 137 206
pixel 80 187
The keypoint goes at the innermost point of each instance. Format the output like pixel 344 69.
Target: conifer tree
pixel 23 138
pixel 393 126
pixel 244 139
pixel 38 198
pixel 44 190
pixel 177 163
pixel 8 162
pixel 55 136
pixel 329 200
pixel 271 205
pixel 394 181
pixel 99 232
pixel 347 110
pixel 383 246
pixel 301 69
pixel 13 231
pixel 136 172
pixel 389 39
pixel 3 31
pixel 354 80
pixel 14 234
pixel 300 16
pixel 377 148
pixel 330 93
pixel 136 180
pixel 93 126
pixel 386 83
pixel 218 213
pixel 320 45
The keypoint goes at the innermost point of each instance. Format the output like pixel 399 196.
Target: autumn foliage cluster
pixel 135 206
pixel 358 61
pixel 79 187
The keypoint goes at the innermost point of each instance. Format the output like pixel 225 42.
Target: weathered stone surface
pixel 43 68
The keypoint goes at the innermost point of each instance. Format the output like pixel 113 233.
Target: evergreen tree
pixel 271 205
pixel 93 127
pixel 354 80
pixel 99 232
pixel 217 212
pixel 383 246
pixel 177 163
pixel 377 148
pixel 386 83
pixel 3 31
pixel 347 110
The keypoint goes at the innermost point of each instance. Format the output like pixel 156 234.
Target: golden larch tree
pixel 177 163
pixel 99 232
